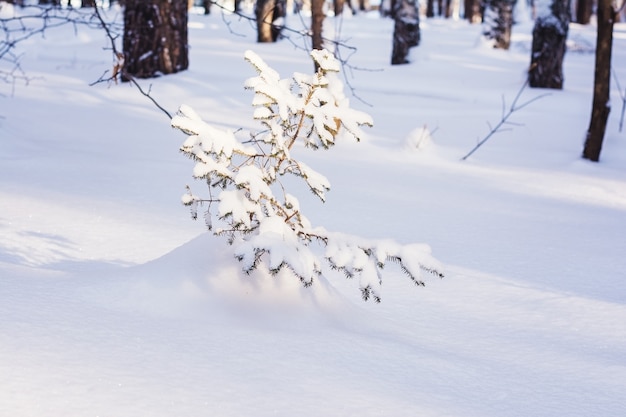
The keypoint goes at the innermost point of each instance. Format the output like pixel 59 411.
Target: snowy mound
pixel 204 275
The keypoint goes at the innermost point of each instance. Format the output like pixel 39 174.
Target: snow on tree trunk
pixel 155 37
pixel 498 21
pixel 601 83
pixel 253 208
pixel 406 30
pixel 548 47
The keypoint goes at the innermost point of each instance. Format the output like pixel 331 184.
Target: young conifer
pixel 251 205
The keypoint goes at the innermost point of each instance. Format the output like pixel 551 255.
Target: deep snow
pixel 114 303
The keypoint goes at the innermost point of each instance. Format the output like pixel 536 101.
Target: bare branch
pixel 504 120
pixel 119 69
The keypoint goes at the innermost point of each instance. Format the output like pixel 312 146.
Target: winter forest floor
pixel 114 303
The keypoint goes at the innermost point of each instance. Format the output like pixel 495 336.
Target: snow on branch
pixel 248 200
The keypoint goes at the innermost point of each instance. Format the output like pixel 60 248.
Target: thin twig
pixel 622 94
pixel 119 68
pixel 504 120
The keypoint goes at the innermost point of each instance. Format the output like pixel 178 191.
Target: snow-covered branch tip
pixel 250 205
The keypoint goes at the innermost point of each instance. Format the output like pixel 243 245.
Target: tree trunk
pixel 317 20
pixel 548 47
pixel 406 30
pixel 601 83
pixel 430 8
pixel 207 6
pixel 448 9
pixel 267 12
pixel 264 11
pixel 498 21
pixel 88 3
pixel 155 38
pixel 338 7
pixel 473 11
pixel 584 10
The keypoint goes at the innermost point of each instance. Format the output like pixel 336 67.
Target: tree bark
pixel 317 20
pixel 601 83
pixel 207 6
pixel 264 10
pixel 430 8
pixel 498 21
pixel 406 30
pixel 473 11
pixel 584 10
pixel 155 38
pixel 338 6
pixel 267 12
pixel 548 47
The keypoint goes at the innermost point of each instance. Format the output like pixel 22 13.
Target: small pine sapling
pixel 251 205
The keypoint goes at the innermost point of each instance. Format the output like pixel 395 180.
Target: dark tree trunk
pixel 207 6
pixel 548 48
pixel 448 9
pixel 430 8
pixel 267 12
pixel 601 82
pixel 584 9
pixel 88 3
pixel 155 38
pixel 498 21
pixel 406 30
pixel 473 11
pixel 264 11
pixel 338 7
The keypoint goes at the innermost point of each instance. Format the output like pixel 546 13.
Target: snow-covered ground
pixel 114 303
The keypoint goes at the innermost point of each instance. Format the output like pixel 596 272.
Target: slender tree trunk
pixel 473 11
pixel 338 7
pixel 548 47
pixel 448 9
pixel 155 37
pixel 317 20
pixel 207 6
pixel 601 83
pixel 264 15
pixel 584 9
pixel 267 14
pixel 430 8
